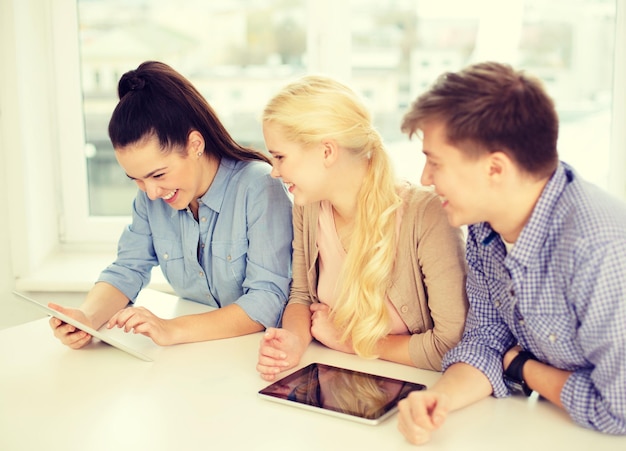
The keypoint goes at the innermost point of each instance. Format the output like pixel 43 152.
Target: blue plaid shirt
pixel 560 294
pixel 239 251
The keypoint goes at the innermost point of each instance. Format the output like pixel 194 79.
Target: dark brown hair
pixel 491 107
pixel 155 99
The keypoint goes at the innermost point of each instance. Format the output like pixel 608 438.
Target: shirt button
pixel 521 322
pixel 404 309
pixel 228 258
pixel 552 338
pixel 203 219
pixel 166 256
pixel 497 303
pixel 201 274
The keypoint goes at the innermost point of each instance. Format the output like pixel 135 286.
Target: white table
pixel 203 396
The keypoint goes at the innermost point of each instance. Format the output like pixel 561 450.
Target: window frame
pixel 325 55
pixel 78 227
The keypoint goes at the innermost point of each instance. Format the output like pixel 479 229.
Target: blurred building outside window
pixel 239 52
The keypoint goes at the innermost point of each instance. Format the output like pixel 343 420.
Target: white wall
pixel 7 281
pixel 27 140
pixel 7 60
pixel 617 173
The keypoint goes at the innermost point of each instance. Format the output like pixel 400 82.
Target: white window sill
pixel 76 271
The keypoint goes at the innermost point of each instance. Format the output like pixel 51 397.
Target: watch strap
pixel 516 367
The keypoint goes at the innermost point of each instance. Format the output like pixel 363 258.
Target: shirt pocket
pixel 171 260
pixel 230 259
pixel 555 335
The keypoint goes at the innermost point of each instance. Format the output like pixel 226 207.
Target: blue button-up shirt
pixel 239 250
pixel 560 293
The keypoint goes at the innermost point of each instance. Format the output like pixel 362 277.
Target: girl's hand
pixel 68 334
pixel 140 320
pixel 279 350
pixel 323 329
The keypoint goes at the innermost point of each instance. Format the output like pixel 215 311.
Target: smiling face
pixel 460 181
pixel 175 179
pixel 301 169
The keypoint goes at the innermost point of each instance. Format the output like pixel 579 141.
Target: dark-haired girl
pixel 207 212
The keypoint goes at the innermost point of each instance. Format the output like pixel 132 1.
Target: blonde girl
pixel 377 269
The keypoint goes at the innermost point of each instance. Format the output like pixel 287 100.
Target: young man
pixel 546 253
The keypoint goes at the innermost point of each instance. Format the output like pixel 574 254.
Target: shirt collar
pixel 535 232
pixel 534 235
pixel 214 197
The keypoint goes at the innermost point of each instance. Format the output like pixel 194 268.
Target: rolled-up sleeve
pixel 131 270
pixel 486 336
pixel 268 265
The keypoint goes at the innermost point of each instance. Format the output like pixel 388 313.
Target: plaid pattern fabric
pixel 560 293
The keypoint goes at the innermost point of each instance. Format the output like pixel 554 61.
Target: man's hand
pixel 421 413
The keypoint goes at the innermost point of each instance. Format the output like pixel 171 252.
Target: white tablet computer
pixel 91 331
pixel 349 394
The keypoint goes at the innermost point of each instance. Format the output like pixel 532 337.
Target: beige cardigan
pixel 428 282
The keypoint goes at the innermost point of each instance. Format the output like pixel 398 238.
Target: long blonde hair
pixel 315 108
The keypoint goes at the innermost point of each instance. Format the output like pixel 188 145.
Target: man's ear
pixel 331 152
pixel 499 165
pixel 195 144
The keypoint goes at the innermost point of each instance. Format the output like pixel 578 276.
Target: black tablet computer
pixel 349 394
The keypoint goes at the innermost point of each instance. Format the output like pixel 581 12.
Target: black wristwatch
pixel 513 376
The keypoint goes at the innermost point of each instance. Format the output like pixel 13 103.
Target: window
pixel 239 52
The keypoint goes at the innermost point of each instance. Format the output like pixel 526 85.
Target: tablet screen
pixel 341 392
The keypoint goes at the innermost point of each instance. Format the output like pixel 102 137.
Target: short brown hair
pixel 491 107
